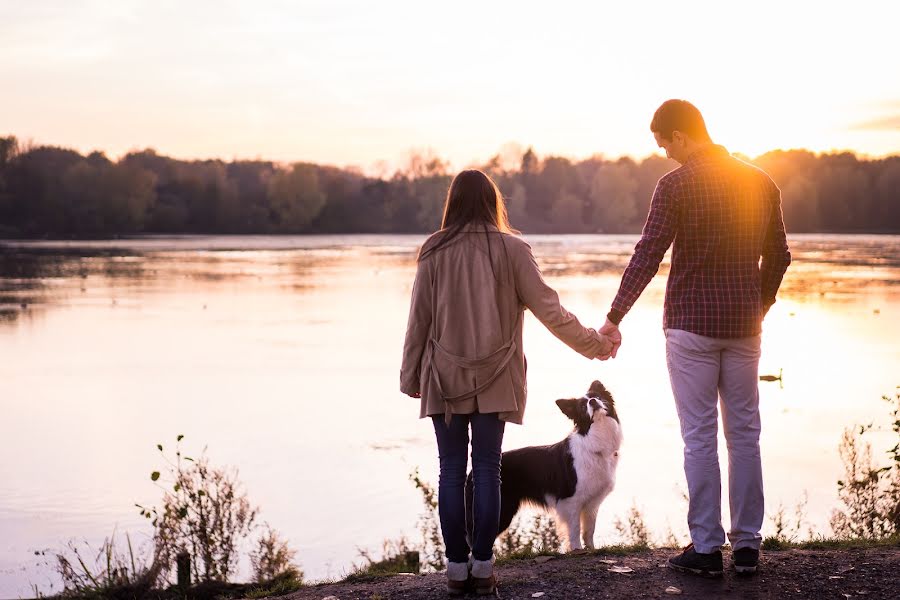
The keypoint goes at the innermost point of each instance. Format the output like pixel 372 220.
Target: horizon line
pixel 429 151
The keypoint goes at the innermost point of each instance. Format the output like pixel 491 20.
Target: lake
pixel 281 355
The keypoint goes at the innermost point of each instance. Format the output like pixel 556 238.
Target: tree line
pixel 47 191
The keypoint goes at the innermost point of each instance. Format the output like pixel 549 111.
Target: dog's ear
pixel 569 407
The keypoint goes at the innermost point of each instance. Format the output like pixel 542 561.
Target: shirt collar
pixel 706 152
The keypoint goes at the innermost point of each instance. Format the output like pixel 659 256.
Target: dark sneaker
pixel 745 560
pixel 485 586
pixel 690 561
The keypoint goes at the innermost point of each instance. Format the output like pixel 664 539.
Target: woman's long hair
pixel 473 197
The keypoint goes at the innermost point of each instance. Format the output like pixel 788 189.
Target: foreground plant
pixel 205 512
pixel 869 492
pixel 109 571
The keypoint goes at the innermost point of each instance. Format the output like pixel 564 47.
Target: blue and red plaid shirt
pixel 730 251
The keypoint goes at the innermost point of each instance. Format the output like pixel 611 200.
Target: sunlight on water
pixel 281 354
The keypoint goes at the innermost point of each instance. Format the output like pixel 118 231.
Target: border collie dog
pixel 571 477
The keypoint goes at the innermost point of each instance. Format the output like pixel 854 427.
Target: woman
pixel 463 357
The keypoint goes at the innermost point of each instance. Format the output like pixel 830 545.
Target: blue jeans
pixel 453 447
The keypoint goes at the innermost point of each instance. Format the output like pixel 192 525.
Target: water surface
pixel 281 355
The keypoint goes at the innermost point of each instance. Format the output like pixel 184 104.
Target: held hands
pixel 611 331
pixel 603 345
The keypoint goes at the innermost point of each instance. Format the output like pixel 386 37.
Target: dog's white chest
pixel 595 457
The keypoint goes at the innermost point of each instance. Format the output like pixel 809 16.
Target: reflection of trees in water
pixel 838 267
pixel 32 278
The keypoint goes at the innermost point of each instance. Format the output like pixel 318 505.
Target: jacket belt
pixel 500 357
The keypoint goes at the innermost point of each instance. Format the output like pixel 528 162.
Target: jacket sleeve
pixel 775 254
pixel 658 234
pixel 543 302
pixel 417 329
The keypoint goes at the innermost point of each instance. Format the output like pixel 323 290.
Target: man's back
pixel 723 215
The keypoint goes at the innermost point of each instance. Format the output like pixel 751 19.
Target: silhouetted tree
pixel 295 198
pixel 612 198
pixel 49 191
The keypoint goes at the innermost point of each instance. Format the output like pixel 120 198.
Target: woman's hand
pixel 611 330
pixel 604 346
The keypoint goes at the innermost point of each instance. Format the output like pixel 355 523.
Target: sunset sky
pixel 352 83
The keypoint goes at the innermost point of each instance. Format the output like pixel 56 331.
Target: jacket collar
pixel 478 227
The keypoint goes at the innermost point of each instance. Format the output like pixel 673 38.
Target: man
pixel 724 215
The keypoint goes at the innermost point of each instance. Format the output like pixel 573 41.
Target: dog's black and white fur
pixel 571 477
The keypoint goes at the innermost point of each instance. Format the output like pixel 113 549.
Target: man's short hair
pixel 679 115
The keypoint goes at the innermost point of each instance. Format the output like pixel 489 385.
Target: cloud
pixel 880 124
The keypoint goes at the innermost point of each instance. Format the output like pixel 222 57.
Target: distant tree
pixel 886 194
pixel 346 210
pixel 568 212
pixel 400 209
pixel 844 193
pixel 647 174
pixel 295 198
pixel 557 177
pixel 800 201
pixel 250 180
pixel 530 163
pixel 39 203
pixel 612 198
pixel 107 199
pixel 427 180
pixel 517 206
pixel 49 191
pixel 8 149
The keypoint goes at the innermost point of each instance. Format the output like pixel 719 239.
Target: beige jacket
pixel 464 337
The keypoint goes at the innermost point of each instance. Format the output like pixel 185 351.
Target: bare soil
pixel 847 573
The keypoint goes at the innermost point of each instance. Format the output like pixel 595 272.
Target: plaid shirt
pixel 723 215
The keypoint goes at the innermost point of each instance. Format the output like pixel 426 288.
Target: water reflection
pixel 282 355
pixel 35 273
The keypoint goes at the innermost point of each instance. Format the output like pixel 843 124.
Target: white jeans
pixel 703 369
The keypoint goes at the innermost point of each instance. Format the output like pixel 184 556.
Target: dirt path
pixel 854 573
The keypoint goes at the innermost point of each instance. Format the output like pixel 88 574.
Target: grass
pixel 614 550
pixel 287 582
pixel 405 562
pixel 622 549
pixel 826 543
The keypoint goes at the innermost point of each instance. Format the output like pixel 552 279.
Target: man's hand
pixel 611 330
pixel 603 347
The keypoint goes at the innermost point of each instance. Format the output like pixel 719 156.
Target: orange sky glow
pixel 355 83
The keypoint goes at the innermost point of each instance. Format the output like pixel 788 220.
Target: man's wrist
pixel 615 316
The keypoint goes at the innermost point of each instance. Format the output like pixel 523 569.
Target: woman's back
pixel 475 300
pixel 463 349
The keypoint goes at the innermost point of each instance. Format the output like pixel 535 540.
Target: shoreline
pixel 870 572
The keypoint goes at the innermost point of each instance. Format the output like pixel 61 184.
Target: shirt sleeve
pixel 775 255
pixel 657 236
pixel 543 301
pixel 417 329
